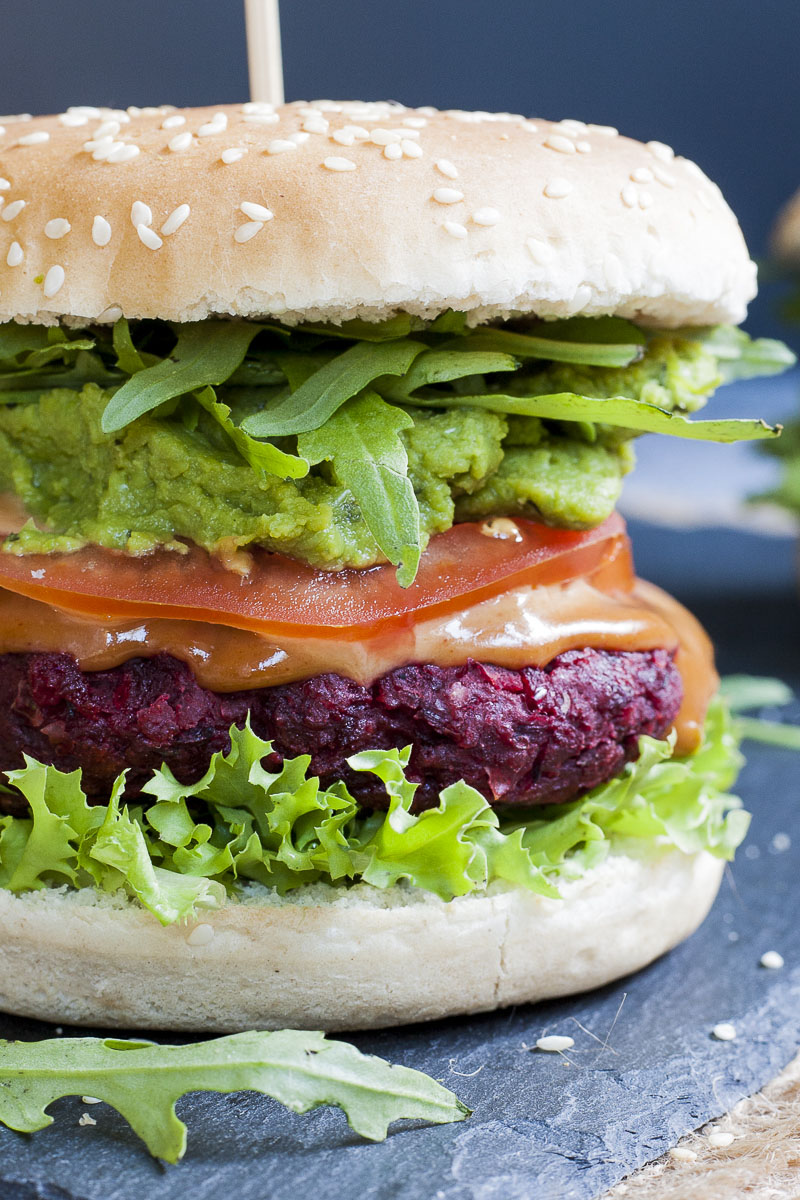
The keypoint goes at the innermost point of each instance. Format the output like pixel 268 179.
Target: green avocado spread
pixel 184 461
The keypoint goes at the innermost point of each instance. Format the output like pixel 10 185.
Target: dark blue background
pixel 717 79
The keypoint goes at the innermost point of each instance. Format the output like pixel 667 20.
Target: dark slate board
pixel 543 1126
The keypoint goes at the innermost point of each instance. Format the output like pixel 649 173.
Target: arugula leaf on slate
pixel 362 442
pixel 143 1081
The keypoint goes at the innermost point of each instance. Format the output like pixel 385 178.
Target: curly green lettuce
pixel 198 843
pixel 342 446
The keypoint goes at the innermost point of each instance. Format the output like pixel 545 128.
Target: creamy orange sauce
pixel 526 626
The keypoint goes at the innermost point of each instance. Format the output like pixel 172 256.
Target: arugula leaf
pixel 362 442
pixel 561 346
pixel 18 339
pixel 741 357
pixel 772 733
pixel 129 359
pixel 743 692
pixel 206 352
pixel 319 397
pixel 443 366
pixel 614 410
pixel 263 457
pixel 398 326
pixel 143 1082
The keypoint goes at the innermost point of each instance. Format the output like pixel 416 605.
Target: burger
pixel 328 694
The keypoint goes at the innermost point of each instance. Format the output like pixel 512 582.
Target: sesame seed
pixel 254 107
pixel 630 195
pixel 344 137
pixel 683 1154
pixel 256 212
pixel 410 149
pixel 181 141
pixel 15 254
pixel 455 229
pixel 446 195
pixel 101 231
pixel 122 153
pixel 573 128
pixel 13 210
pixel 693 169
pixel 540 252
pixel 604 130
pixel 264 118
pixel 247 231
pixel 410 133
pixel 84 110
pixel 720 1140
pixel 661 151
pixel 338 164
pixel 724 1032
pixel 72 120
pixel 91 1100
pixel 217 124
pixel 393 151
pixel 384 137
pixel 232 154
pixel 107 129
pixel 445 167
pixel 53 281
pixel 645 199
pixel 558 188
pixel 299 137
pixel 562 144
pixel 772 960
pixel 486 216
pixel 110 314
pixel 201 935
pixel 4 185
pixel 642 175
pixel 175 219
pixel 34 139
pixel 86 1120
pixel 414 122
pixel 148 237
pixel 583 147
pixel 554 1043
pixel 173 122
pixel 280 146
pixel 141 214
pixel 105 147
pixel 664 177
pixel 316 124
pixel 57 228
pixel 358 131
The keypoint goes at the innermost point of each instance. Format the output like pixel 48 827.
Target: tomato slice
pixel 459 567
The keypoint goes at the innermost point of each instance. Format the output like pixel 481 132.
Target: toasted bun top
pixel 328 211
pixel 786 234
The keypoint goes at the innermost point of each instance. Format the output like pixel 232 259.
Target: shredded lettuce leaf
pixel 241 822
pixel 143 1081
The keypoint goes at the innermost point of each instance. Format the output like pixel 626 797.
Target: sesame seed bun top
pixel 786 233
pixel 327 211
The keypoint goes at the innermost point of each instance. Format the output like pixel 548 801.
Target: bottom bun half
pixel 331 958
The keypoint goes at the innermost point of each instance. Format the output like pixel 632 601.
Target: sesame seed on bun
pixel 328 211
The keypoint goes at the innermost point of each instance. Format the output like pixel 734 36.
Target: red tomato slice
pixel 460 567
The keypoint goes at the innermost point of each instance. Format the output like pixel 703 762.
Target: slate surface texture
pixel 644 1069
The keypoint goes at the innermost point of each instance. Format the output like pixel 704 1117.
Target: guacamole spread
pixel 230 434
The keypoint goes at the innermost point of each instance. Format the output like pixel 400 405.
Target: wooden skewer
pixel 264 50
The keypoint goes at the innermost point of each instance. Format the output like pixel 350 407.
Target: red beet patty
pixel 530 736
